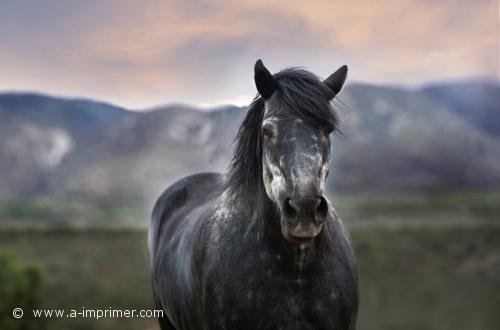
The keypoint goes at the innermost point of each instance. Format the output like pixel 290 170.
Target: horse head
pixel 295 146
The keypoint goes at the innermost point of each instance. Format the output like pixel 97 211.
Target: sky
pixel 140 54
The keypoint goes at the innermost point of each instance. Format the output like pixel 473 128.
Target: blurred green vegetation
pixel 434 277
pixel 20 287
pixel 72 213
pixel 92 269
pixel 439 208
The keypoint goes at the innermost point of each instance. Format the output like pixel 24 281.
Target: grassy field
pixel 410 278
pixel 91 269
pixel 423 264
pixel 429 278
pixel 439 208
pixel 46 213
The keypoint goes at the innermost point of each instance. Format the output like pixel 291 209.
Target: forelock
pixel 302 94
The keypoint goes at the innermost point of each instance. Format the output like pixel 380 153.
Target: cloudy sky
pixel 142 53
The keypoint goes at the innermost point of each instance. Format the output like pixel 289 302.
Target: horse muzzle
pixel 302 232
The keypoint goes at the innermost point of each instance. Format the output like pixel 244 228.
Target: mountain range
pixel 439 137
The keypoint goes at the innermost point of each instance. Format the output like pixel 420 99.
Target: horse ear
pixel 264 80
pixel 337 79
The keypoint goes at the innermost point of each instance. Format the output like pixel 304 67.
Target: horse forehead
pixel 292 128
pixel 301 135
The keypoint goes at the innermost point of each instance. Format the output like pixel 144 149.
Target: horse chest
pixel 276 308
pixel 272 300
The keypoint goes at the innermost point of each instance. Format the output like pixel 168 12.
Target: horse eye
pixel 267 132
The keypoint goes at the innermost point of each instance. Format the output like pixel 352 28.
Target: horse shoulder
pixel 174 227
pixel 186 192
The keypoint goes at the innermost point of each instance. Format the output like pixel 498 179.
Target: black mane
pixel 300 93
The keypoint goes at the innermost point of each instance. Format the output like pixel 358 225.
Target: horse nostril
pixel 308 208
pixel 288 208
pixel 321 209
